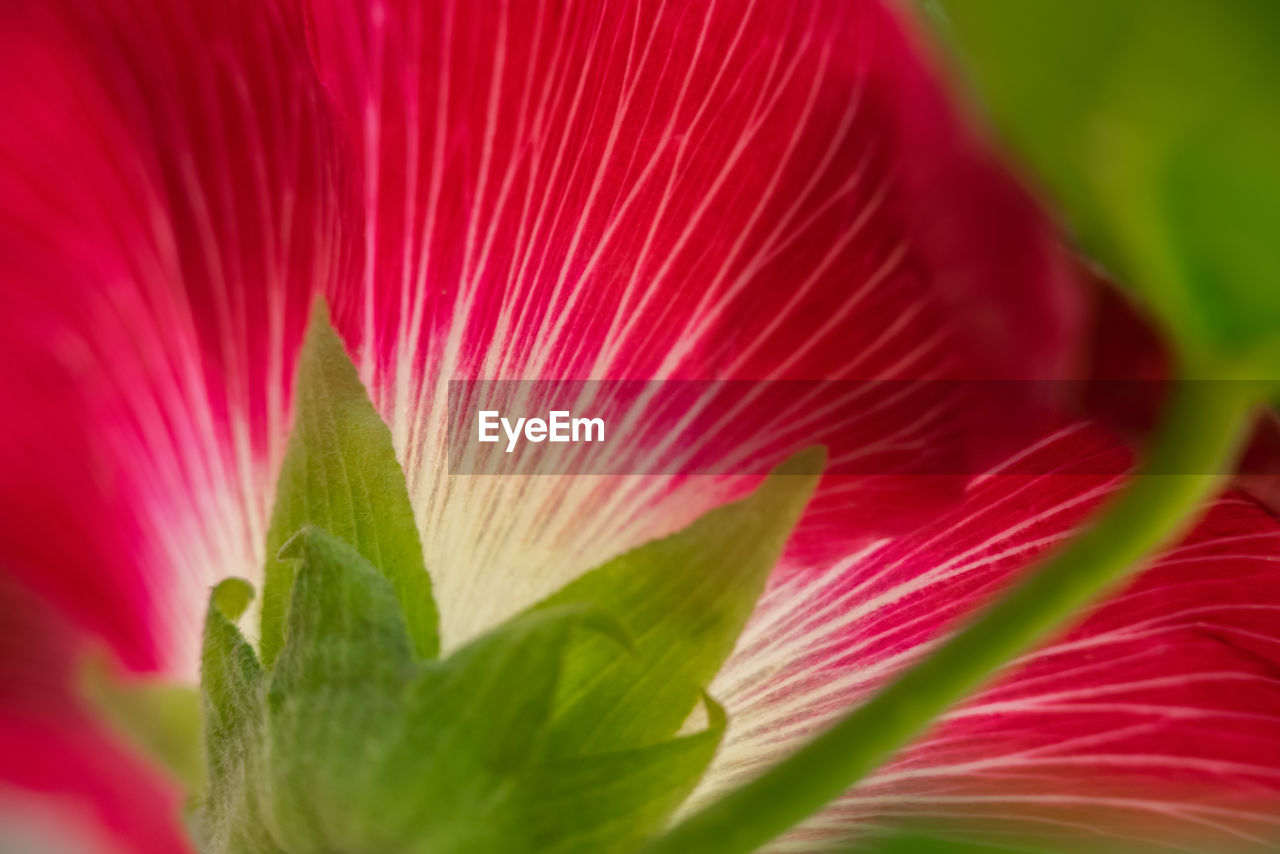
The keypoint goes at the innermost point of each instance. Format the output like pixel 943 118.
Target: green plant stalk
pixel 1201 432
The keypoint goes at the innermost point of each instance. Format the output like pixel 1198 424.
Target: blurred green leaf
pixel 161 719
pixel 684 599
pixel 340 473
pixel 1156 123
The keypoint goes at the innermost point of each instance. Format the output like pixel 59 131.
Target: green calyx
pixel 351 742
pixel 557 731
pixel 340 473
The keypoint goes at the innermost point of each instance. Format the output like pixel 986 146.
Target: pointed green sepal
pixel 232 686
pixel 610 803
pixel 345 624
pixel 232 596
pixel 340 473
pixel 685 600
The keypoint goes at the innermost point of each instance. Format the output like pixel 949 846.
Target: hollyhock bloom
pixel 572 191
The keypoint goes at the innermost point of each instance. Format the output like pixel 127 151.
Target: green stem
pixel 1200 434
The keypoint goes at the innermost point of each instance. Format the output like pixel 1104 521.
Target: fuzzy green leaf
pixel 232 685
pixel 1156 123
pixel 345 624
pixel 340 473
pixel 335 690
pixel 684 600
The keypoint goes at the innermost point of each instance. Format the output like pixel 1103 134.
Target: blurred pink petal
pixel 168 202
pixel 606 191
pixel 675 191
pixel 97 795
pixel 1154 722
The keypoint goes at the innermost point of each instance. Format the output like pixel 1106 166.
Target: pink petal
pixel 65 779
pixel 1156 722
pixel 605 191
pixel 168 201
pixel 678 190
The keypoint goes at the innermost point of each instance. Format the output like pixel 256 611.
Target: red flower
pixel 627 190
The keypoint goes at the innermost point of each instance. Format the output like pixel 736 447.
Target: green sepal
pixel 232 687
pixel 345 623
pixel 340 473
pixel 333 695
pixel 684 599
pixel 479 721
pixel 232 596
pixel 610 803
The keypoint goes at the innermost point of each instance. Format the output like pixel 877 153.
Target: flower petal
pixel 1156 721
pixel 64 778
pixel 672 191
pixel 617 191
pixel 735 196
pixel 168 202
